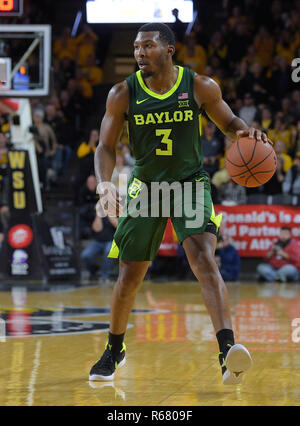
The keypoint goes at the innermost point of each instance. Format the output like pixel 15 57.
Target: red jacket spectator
pixel 292 250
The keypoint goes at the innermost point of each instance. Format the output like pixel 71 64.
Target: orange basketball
pixel 250 162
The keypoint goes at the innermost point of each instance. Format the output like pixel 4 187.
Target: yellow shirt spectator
pixel 85 44
pixel 193 55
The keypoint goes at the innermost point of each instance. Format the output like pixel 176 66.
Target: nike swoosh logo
pixel 139 102
pixel 199 180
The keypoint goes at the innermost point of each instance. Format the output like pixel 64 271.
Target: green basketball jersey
pixel 164 130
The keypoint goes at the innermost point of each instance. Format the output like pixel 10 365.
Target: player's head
pixel 154 45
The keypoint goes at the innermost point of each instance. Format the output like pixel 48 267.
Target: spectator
pixel 222 176
pixel 282 261
pixel 274 185
pixel 212 147
pixel 228 259
pixel 295 142
pixel 103 232
pixel 87 200
pixel 238 43
pixel 93 74
pixel 264 46
pixel 218 48
pixel 45 144
pixel 258 83
pixel 192 55
pixel 231 194
pixel 281 132
pixel 178 26
pixel 248 110
pixel 3 158
pixel 266 120
pixel 4 208
pixel 121 174
pixel 291 184
pixel 52 118
pixel 296 102
pixel 85 154
pixel 280 80
pixel 279 149
pixel 86 44
pixel 65 46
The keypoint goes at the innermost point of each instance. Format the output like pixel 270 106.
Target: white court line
pixel 34 373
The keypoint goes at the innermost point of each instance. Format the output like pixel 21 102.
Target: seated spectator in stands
pixel 285 46
pixel 121 175
pixel 85 154
pixel 231 194
pixel 296 101
pixel 259 84
pixel 249 110
pixel 86 43
pixel 228 259
pixel 238 43
pixel 63 151
pixel 274 185
pixel 65 46
pixel 102 237
pixel 281 132
pixel 266 120
pixel 279 149
pixel 291 184
pixel 212 147
pixel 3 158
pixel 87 200
pixel 83 84
pixel 282 261
pixel 288 111
pixel 280 80
pixel 69 114
pixel 93 73
pixel 192 55
pixel 218 47
pixel 264 46
pixel 4 203
pixel 295 142
pixel 67 67
pixel 45 145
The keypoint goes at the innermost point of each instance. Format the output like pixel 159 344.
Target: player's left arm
pixel 208 95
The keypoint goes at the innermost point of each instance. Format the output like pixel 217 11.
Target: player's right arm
pixel 105 155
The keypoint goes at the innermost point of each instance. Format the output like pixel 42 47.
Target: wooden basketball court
pixel 53 339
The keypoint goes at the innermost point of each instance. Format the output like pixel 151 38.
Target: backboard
pixel 25 60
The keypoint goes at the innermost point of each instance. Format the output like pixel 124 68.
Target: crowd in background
pixel 248 53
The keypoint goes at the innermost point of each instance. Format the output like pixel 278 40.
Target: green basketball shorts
pixel 149 205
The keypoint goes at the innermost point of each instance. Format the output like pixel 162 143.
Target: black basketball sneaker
pixel 105 368
pixel 235 361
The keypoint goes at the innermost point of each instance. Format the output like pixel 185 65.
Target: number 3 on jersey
pixel 165 133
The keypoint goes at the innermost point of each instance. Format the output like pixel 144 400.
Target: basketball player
pixel 162 103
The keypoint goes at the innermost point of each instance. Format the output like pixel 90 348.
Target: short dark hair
pixel 285 228
pixel 166 35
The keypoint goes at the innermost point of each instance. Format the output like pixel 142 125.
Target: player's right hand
pixel 109 200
